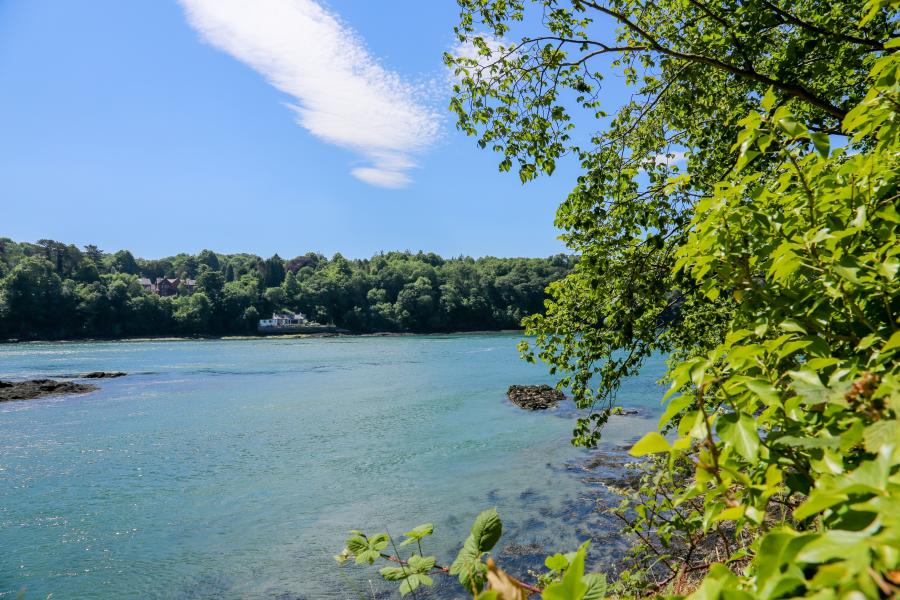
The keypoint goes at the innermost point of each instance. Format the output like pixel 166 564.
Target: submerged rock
pixel 103 374
pixel 39 388
pixel 534 397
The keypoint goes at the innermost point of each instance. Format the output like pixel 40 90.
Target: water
pixel 233 469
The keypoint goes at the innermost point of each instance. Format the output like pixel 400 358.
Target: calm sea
pixel 233 469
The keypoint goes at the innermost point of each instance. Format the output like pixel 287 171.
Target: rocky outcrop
pixel 39 388
pixel 103 374
pixel 534 397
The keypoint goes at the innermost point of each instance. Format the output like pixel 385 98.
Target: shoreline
pixel 286 336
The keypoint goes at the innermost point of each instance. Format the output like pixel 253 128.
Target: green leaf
pixel 821 142
pixel 413 582
pixel 817 502
pixel 467 554
pixel 394 573
pixel 768 100
pixel 651 443
pixel 468 567
pixel 766 392
pixel 740 432
pixel 791 126
pixel 357 544
pixel 417 533
pixel 367 556
pixel 379 541
pixel 421 564
pixel 892 343
pixel 557 562
pixel 880 434
pixel 596 586
pixel 572 585
pixel 486 530
pixel 675 406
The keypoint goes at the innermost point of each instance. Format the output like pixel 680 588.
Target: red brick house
pixel 168 286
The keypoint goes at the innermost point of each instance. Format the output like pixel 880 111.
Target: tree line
pixel 53 290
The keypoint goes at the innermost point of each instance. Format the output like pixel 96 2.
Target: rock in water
pixel 534 397
pixel 103 374
pixel 38 388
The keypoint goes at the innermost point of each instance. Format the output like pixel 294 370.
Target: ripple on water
pixel 233 469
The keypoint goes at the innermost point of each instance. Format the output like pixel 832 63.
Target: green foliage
pixel 416 534
pixel 531 89
pixel 775 472
pixel 790 425
pixel 50 290
pixel 566 579
pixel 367 549
pixel 571 584
pixel 468 565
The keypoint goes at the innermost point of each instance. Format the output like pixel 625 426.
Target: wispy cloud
pixel 494 51
pixel 343 94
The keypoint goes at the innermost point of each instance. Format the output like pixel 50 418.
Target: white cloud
pixel 343 94
pixel 496 48
pixel 382 177
pixel 671 158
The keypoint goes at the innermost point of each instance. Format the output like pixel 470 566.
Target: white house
pixel 283 320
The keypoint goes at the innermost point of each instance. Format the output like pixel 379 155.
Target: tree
pixel 123 262
pixel 696 69
pixel 87 272
pixel 211 283
pixel 274 271
pixel 250 319
pixel 208 258
pixel 192 313
pixel 35 299
pixel 360 295
pixel 94 254
pixel 276 297
pixel 291 287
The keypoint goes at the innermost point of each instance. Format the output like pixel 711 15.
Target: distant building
pixel 167 286
pixel 283 320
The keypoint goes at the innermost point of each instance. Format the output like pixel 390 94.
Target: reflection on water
pixel 233 469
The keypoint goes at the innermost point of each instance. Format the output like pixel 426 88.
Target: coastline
pixel 286 336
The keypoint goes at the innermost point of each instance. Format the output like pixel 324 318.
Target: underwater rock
pixel 39 388
pixel 534 397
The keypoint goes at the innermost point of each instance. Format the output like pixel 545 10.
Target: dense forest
pixel 52 290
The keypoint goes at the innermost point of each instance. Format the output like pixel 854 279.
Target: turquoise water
pixel 233 469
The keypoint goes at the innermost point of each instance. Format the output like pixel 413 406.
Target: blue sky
pixel 163 127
